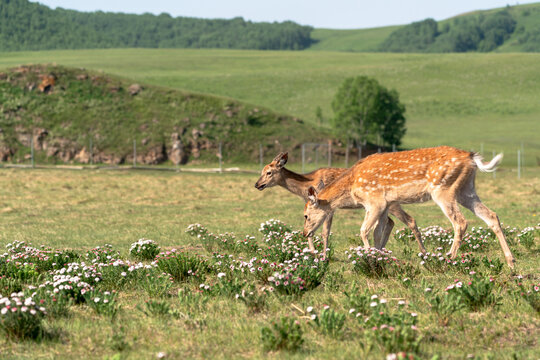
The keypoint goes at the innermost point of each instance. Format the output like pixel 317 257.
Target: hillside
pixel 482 31
pixel 64 110
pixel 463 100
pixel 26 25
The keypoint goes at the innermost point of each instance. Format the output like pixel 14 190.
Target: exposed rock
pixel 83 156
pixel 3 76
pixel 5 152
pixel 134 89
pixel 82 77
pixel 61 148
pixel 177 154
pixel 155 155
pixel 195 133
pixel 39 138
pixel 145 141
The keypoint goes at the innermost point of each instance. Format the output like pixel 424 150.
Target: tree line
pixel 32 26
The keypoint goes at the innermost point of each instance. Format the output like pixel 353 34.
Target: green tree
pixel 364 110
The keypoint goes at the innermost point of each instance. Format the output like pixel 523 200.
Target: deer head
pixel 271 173
pixel 315 212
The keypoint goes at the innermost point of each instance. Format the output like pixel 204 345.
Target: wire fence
pixel 305 157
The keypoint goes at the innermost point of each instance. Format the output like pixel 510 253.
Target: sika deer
pixel 444 174
pixel 275 173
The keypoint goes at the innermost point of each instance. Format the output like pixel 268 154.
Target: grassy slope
pixel 350 40
pixel 81 210
pixel 456 99
pixel 100 107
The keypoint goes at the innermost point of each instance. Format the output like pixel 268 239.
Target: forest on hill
pixel 26 25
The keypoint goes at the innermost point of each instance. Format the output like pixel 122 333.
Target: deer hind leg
pixel 372 219
pixel 383 225
pixel 327 225
pixel 450 208
pixel 387 231
pixel 474 204
pixel 408 220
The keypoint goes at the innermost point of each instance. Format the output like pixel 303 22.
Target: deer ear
pixel 312 195
pixel 281 159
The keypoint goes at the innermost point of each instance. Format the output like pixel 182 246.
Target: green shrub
pixel 285 334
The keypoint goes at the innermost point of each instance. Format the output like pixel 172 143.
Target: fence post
pixel 91 152
pixel 134 153
pixel 261 155
pixel 359 151
pixel 522 157
pixel 482 149
pixel 519 164
pixel 393 147
pixel 303 156
pixel 32 150
pixel 220 156
pixel 329 153
pixel 347 154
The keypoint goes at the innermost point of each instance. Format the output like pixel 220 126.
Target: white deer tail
pixel 489 167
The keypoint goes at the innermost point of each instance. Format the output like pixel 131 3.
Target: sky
pixel 335 14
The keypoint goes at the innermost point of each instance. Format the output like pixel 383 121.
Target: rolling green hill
pixel 524 38
pixel 463 100
pixel 84 116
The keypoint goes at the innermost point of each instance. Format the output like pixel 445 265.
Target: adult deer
pixel 444 174
pixel 275 173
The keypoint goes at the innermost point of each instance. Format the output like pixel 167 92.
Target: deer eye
pixel 269 173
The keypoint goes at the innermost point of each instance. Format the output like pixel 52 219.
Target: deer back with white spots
pixel 444 174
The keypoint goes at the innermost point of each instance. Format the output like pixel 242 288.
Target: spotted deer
pixel 444 174
pixel 275 173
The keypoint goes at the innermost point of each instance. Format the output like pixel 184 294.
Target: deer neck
pixel 338 194
pixel 295 183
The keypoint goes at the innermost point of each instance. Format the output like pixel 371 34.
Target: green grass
pixel 463 100
pixel 84 209
pixel 364 40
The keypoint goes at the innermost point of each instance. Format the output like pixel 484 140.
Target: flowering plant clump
pixel 103 302
pixel 531 296
pixel 285 334
pixel 180 264
pixel 478 239
pixel 373 262
pixel 20 317
pixel 477 293
pixel 9 285
pixel 41 260
pixel 227 241
pixel 394 329
pixel 274 226
pixel 156 284
pixel 439 262
pixel 527 237
pixel 492 266
pixel 445 304
pixel 328 321
pixel 299 275
pixel 254 300
pixel 144 249
pixel 102 254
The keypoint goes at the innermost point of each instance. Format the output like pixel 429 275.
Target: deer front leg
pixel 327 225
pixel 380 230
pixel 373 215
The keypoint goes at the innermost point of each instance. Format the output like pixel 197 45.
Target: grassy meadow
pixel 80 210
pixel 464 100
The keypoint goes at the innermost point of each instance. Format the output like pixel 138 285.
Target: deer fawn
pixel 275 173
pixel 444 174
